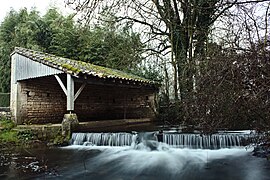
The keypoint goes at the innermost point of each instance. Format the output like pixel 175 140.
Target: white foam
pixel 137 158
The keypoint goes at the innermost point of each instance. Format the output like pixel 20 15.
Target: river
pixel 145 160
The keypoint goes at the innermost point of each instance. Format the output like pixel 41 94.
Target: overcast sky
pixel 41 5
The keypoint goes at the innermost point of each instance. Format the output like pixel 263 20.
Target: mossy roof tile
pixel 78 68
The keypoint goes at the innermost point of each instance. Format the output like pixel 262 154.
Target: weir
pixel 103 139
pixel 176 140
pixel 214 141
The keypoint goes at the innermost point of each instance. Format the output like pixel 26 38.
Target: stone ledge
pixel 90 124
pixel 111 125
pixel 43 132
pixel 115 122
pixel 48 132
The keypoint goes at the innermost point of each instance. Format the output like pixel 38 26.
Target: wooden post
pixel 70 120
pixel 70 93
pixel 16 93
pixel 61 84
pixel 79 91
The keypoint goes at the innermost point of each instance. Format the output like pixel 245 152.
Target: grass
pixel 9 135
pixel 6 124
pixel 6 132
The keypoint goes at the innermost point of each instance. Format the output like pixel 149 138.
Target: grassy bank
pixel 12 136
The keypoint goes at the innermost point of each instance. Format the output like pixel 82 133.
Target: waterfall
pixel 177 140
pixel 103 139
pixel 214 141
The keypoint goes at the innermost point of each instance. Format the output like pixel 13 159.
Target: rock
pixel 69 123
pixel 261 151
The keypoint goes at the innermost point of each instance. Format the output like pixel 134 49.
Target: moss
pixel 79 66
pixel 12 136
pixel 114 73
pixel 47 59
pixel 50 59
pixel 60 139
pixel 71 68
pixel 102 71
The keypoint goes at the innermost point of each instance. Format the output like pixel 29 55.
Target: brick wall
pixel 108 102
pixel 43 101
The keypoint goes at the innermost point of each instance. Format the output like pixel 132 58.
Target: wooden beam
pixel 79 91
pixel 70 93
pixel 114 84
pixel 61 84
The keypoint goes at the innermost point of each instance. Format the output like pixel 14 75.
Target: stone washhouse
pixel 45 88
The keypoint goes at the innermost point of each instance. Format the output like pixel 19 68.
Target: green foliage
pixel 6 132
pixel 105 45
pixel 15 30
pixel 4 99
pixel 8 136
pixel 25 135
pixel 61 140
pixel 150 72
pixel 6 125
pixel 114 48
pixel 15 136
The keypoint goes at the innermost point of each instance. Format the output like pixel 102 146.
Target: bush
pixel 6 125
pixel 26 135
pixel 232 92
pixel 4 99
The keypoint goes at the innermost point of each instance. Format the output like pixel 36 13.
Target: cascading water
pixel 103 139
pixel 177 140
pixel 164 155
pixel 214 141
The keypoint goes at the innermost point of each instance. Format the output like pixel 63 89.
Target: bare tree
pixel 234 86
pixel 243 26
pixel 183 31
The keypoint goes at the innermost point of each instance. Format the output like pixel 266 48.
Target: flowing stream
pixel 146 156
pixel 177 140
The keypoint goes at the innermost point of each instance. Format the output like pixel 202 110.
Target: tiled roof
pixel 78 68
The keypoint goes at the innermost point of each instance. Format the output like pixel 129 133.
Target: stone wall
pixel 43 101
pixel 5 113
pixel 110 102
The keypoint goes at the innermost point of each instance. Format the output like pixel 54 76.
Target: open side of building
pixel 44 87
